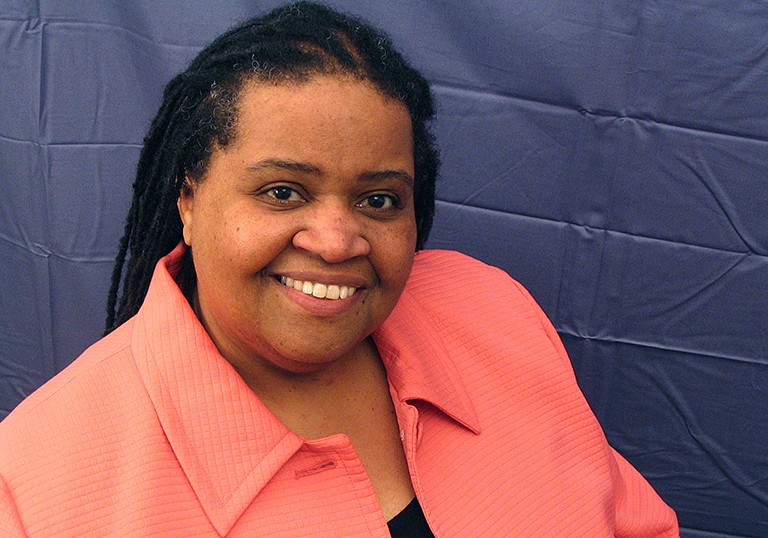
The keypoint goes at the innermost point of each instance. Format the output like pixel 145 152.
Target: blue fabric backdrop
pixel 612 156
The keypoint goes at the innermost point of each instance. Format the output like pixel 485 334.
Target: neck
pixel 319 403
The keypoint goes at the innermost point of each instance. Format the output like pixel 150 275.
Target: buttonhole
pixel 315 469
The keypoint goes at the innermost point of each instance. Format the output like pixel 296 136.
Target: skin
pixel 317 185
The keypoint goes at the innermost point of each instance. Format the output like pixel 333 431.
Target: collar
pixel 227 442
pixel 418 363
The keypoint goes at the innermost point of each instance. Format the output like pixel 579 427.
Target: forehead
pixel 330 122
pixel 330 104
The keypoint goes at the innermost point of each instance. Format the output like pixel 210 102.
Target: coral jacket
pixel 151 432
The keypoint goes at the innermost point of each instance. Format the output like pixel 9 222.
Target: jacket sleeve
pixel 640 512
pixel 10 523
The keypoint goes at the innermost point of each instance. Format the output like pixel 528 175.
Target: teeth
pixel 319 290
pixel 333 292
pixel 316 289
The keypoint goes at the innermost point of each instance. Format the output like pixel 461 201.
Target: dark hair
pixel 199 113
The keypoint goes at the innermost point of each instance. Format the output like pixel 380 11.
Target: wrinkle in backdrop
pixel 611 156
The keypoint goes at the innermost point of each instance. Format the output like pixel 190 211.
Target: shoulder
pixel 73 445
pixel 445 279
pixel 79 372
pixel 448 261
pixel 478 306
pixel 92 385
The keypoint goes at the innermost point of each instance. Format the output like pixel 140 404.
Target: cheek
pixel 395 252
pixel 237 237
pixel 219 255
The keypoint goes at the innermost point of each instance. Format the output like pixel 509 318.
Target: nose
pixel 334 233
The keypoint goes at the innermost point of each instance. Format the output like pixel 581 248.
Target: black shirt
pixel 410 523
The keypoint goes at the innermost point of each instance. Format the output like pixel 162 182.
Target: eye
pixel 284 193
pixel 282 196
pixel 380 201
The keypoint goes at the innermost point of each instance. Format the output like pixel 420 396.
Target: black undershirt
pixel 410 523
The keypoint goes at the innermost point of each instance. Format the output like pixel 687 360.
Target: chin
pixel 310 359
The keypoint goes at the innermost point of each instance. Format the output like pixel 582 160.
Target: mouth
pixel 318 289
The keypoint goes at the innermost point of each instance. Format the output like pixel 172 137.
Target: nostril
pixel 332 244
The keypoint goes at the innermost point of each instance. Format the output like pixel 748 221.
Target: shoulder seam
pixel 74 378
pixel 546 324
pixel 6 490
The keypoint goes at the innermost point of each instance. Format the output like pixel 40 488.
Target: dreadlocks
pixel 199 114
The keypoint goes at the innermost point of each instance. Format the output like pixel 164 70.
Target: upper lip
pixel 338 279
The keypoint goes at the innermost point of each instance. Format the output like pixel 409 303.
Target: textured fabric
pixel 152 432
pixel 611 155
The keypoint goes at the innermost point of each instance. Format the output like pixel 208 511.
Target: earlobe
pixel 185 203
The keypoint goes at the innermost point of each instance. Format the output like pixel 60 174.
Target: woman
pixel 292 367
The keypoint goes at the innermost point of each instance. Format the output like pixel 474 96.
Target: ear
pixel 186 205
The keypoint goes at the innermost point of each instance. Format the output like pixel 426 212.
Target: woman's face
pixel 312 199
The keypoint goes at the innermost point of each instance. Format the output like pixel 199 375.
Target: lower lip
pixel 320 307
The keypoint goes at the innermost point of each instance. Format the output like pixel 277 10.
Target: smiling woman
pixel 284 359
pixel 312 190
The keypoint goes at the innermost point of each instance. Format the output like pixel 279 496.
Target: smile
pixel 317 289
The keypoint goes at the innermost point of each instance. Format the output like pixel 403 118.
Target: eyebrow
pixel 306 168
pixel 383 175
pixel 290 166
